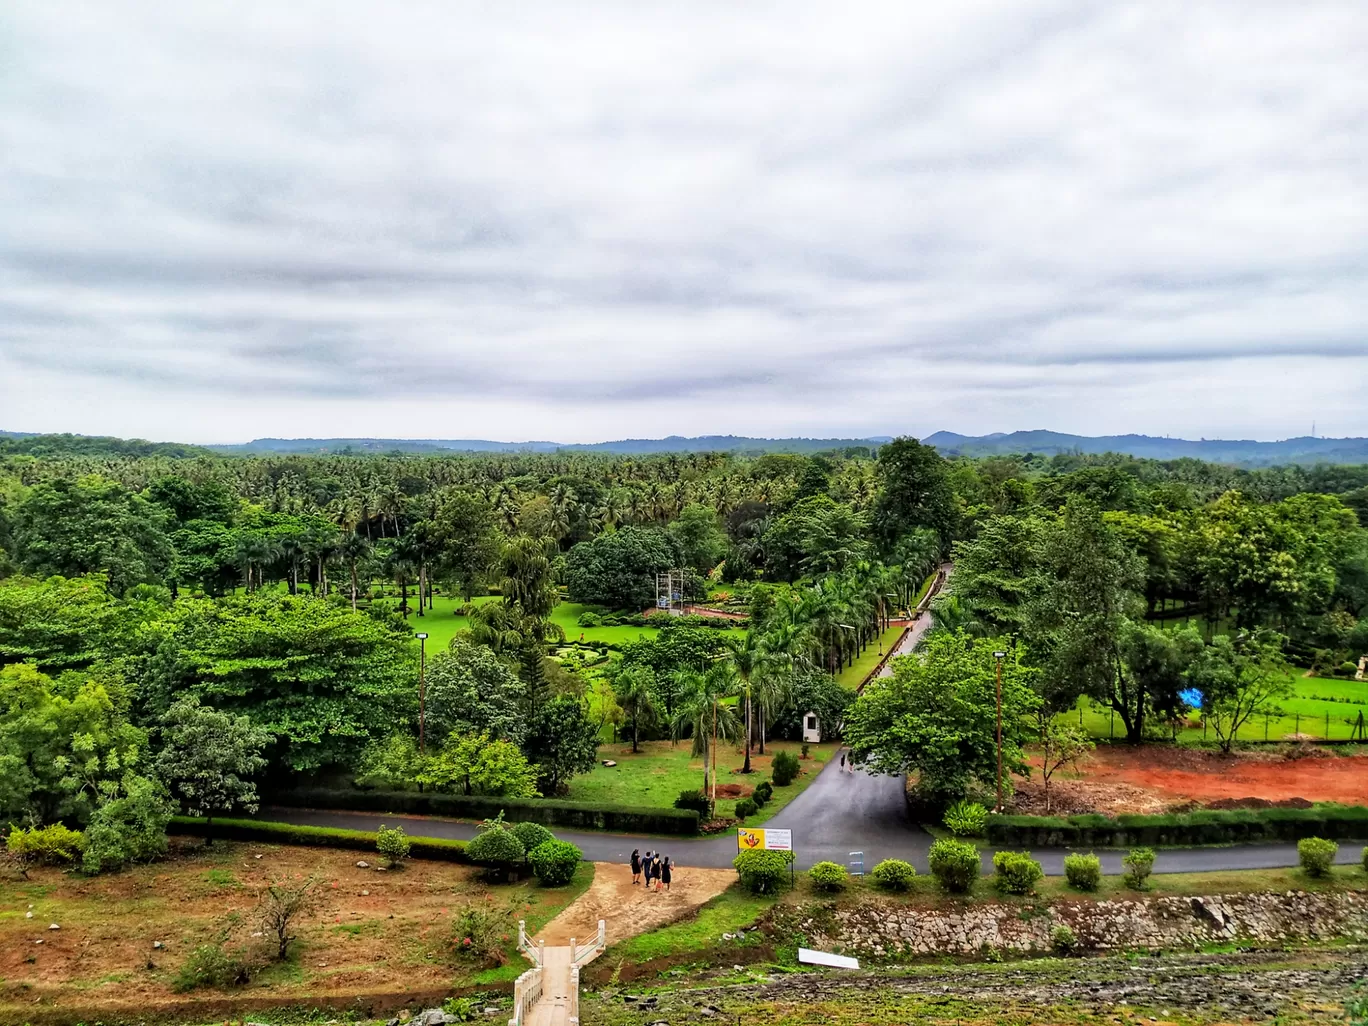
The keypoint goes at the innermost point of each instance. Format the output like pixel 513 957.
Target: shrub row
pixel 549 812
pixel 438 848
pixel 1208 826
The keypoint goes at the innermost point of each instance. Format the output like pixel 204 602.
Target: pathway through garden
pixel 628 909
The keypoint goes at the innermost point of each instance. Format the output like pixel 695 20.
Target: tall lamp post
pixel 999 657
pixel 422 689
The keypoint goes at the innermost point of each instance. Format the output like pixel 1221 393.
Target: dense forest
pixel 275 599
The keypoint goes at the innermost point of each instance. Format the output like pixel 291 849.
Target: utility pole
pixel 422 688
pixel 714 757
pixel 999 657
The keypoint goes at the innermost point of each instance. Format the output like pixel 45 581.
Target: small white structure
pixel 812 727
pixel 806 956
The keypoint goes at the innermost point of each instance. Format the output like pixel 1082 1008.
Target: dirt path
pixel 629 910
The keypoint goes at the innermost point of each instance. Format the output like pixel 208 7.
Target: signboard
pixel 770 840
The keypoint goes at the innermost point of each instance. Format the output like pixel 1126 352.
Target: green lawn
pixel 854 674
pixel 655 776
pixel 1320 707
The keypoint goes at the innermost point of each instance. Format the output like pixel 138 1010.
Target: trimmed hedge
pixel 548 812
pixel 1205 826
pixel 439 848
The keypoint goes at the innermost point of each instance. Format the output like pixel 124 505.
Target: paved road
pixel 837 814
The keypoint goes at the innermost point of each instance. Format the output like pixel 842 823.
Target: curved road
pixel 838 813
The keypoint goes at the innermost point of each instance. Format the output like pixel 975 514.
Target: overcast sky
pixel 580 221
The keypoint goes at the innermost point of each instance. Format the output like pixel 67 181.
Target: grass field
pixel 854 674
pixel 655 776
pixel 1320 707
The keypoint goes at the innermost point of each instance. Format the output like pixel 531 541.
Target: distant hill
pixel 1243 452
pixel 23 443
pixel 626 446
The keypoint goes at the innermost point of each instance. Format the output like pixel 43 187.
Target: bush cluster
pixel 53 845
pixel 1084 872
pixel 1317 855
pixel 392 844
pixel 955 865
pixel 554 862
pixel 1063 940
pixel 829 877
pixel 695 801
pixel 894 875
pixel 496 850
pixel 1204 826
pixel 212 965
pixel 763 871
pixel 784 768
pixel 550 812
pixel 1138 864
pixel 966 819
pixel 531 835
pixel 745 807
pixel 477 934
pixel 1017 872
pixel 763 792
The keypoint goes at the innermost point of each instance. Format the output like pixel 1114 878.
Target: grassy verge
pixel 728 912
pixel 654 777
pixel 854 674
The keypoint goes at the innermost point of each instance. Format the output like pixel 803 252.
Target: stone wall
pixel 888 929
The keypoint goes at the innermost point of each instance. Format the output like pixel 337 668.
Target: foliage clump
pixel 697 801
pixel 1138 865
pixel 554 862
pixel 955 865
pixel 784 768
pixel 128 827
pixel 1083 872
pixel 966 819
pixel 745 808
pixel 763 871
pixel 393 844
pixel 894 875
pixel 496 849
pixel 829 877
pixel 1017 872
pixel 478 932
pixel 1316 855
pixel 54 845
pixel 531 835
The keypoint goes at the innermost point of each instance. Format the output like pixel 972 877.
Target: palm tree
pixel 745 655
pixel 294 549
pixel 354 550
pixel 700 712
pixel 637 699
pixel 527 577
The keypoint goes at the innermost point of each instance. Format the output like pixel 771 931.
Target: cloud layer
pixel 584 221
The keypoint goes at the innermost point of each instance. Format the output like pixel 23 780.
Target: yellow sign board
pixel 749 840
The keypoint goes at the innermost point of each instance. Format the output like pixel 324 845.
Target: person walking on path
pixel 842 760
pixel 648 864
pixel 665 872
pixel 636 866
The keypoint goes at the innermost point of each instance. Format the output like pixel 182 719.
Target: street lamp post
pixel 422 688
pixel 999 657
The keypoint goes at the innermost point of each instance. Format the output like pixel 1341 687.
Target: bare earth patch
pixel 628 910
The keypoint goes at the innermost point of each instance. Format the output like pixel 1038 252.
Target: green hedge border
pixel 439 848
pixel 1204 826
pixel 548 812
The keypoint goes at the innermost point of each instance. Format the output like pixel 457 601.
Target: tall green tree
pixel 914 492
pixel 208 760
pixel 562 742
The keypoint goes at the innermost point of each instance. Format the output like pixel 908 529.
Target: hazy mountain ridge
pixel 1242 452
pixel 1247 452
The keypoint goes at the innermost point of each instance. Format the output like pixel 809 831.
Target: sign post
pixel 766 840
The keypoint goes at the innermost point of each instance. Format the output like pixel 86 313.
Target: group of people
pixel 654 866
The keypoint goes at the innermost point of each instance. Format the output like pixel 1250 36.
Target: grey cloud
pixel 769 218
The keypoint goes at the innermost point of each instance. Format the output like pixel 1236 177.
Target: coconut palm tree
pixel 636 697
pixel 699 712
pixel 354 550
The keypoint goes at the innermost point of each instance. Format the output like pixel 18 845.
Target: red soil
pixel 1202 776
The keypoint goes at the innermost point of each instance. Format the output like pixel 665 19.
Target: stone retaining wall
pixel 890 929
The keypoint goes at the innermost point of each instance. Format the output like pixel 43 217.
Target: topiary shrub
pixel 1084 872
pixel 955 865
pixel 745 807
pixel 1139 865
pixel 763 793
pixel 497 850
pixel 1063 940
pixel 1316 855
pixel 392 844
pixel 1017 872
pixel 894 875
pixel 966 819
pixel 784 768
pixel 53 845
pixel 588 619
pixel 696 801
pixel 829 877
pixel 763 871
pixel 532 835
pixel 554 862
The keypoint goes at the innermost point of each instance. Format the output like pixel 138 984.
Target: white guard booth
pixel 812 728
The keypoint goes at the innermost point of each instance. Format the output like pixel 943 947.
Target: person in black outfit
pixel 665 872
pixel 636 865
